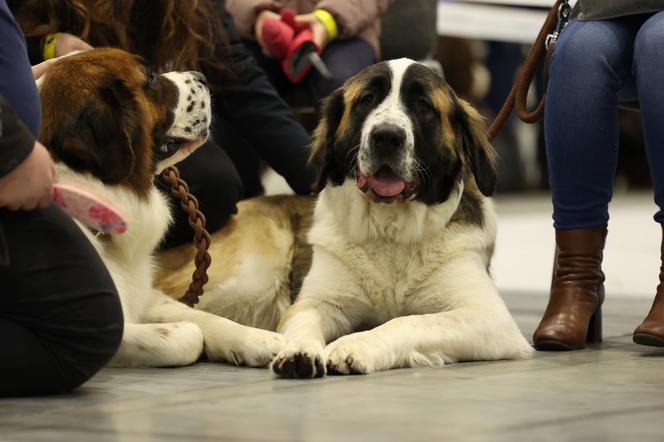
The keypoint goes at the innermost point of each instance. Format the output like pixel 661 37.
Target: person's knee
pixel 586 48
pixel 649 44
pixel 95 336
pixel 344 59
pixel 218 198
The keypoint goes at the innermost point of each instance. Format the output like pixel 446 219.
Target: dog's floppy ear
pixel 98 137
pixel 478 152
pixel 322 153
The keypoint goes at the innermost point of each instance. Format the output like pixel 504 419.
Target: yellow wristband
pixel 329 22
pixel 49 45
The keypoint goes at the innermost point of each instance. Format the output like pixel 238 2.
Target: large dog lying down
pixel 402 236
pixel 111 126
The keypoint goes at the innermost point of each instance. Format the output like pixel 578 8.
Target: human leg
pixel 588 68
pixel 60 315
pixel 648 71
pixel 344 58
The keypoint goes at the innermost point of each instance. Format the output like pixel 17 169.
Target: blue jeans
pixel 596 65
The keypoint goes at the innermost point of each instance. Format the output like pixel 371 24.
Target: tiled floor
pixel 614 392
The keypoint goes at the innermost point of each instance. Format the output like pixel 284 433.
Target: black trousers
pixel 60 315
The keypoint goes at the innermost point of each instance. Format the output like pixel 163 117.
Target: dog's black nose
pixel 198 77
pixel 387 137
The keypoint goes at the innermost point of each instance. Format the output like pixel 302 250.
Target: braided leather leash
pixel 519 94
pixel 202 239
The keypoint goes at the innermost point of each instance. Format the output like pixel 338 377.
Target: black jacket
pixel 252 105
pixel 16 144
pixel 16 141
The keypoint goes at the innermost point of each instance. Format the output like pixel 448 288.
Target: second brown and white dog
pixel 402 236
pixel 111 126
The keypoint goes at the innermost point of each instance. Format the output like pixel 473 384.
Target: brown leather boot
pixel 651 330
pixel 573 316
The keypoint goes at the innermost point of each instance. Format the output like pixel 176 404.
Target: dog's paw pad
pixel 299 365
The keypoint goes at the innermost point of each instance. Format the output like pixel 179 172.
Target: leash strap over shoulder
pixel 518 96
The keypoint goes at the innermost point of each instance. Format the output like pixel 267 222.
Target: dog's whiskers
pixel 355 161
pixel 422 173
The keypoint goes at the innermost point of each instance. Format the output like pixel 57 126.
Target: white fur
pixel 197 120
pixel 417 284
pixel 256 295
pixel 160 331
pixel 390 111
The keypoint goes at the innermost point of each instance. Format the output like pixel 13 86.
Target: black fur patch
pixel 339 159
pixel 438 157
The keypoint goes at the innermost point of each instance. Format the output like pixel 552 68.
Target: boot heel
pixel 594 335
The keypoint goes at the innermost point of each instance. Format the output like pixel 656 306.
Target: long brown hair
pixel 168 34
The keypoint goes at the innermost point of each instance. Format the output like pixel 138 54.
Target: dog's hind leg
pixel 159 345
pixel 257 294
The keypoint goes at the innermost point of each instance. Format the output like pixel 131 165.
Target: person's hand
pixel 30 185
pixel 258 26
pixel 67 43
pixel 318 30
pixel 40 69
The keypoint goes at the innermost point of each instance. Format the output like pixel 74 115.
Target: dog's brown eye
pixel 151 77
pixel 171 146
pixel 367 99
pixel 423 105
pixel 168 148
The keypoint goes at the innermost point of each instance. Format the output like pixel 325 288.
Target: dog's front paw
pixel 352 354
pixel 302 360
pixel 252 347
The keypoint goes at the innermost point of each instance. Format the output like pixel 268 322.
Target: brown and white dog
pixel 111 126
pixel 402 237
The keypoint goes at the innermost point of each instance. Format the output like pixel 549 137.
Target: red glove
pixel 291 42
pixel 297 64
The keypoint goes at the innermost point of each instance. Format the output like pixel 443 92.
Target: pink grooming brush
pixel 88 209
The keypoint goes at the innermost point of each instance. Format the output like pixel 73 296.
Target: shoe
pixel 573 316
pixel 651 330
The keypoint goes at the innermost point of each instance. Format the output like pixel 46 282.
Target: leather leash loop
pixel 518 95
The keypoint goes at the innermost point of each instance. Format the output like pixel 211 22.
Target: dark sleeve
pixel 16 141
pixel 253 106
pixel 35 51
pixel 17 85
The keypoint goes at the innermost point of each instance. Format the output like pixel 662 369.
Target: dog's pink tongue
pixel 386 183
